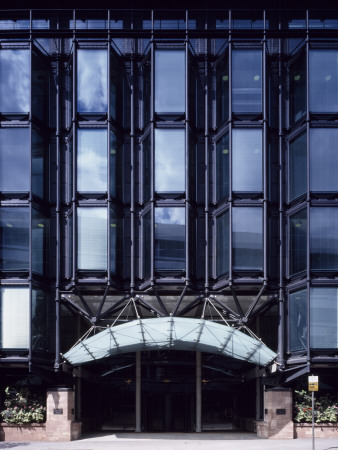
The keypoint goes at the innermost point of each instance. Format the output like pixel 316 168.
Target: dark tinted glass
pixel 324 317
pixel 169 81
pixel 324 238
pixel 298 89
pixel 297 167
pixel 222 168
pixel 146 91
pixel 40 321
pixel 115 166
pixel 247 165
pixel 14 81
pixel 323 73
pixel 146 168
pixel 297 321
pixel 92 81
pixel 115 242
pixel 170 238
pixel 222 248
pixel 298 238
pixel 14 252
pixel 146 244
pixel 40 88
pixel 39 165
pixel 222 87
pixel 40 243
pixel 247 238
pixel 14 159
pixel 324 159
pixel 247 81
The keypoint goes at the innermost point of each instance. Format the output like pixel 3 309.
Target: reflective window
pixel 115 166
pixel 40 87
pixel 92 81
pixel 146 91
pixel 324 238
pixel 14 81
pixel 40 321
pixel 169 160
pixel 14 311
pixel 247 81
pixel 91 160
pixel 222 245
pixel 14 159
pixel 297 167
pixel 297 321
pixel 247 238
pixel 39 163
pixel 115 71
pixel 247 165
pixel 92 238
pixel 222 168
pixel 115 242
pixel 40 243
pixel 146 168
pixel 146 244
pixel 323 88
pixel 298 90
pixel 323 159
pixel 169 81
pixel 170 238
pixel 222 88
pixel 14 226
pixel 298 242
pixel 324 317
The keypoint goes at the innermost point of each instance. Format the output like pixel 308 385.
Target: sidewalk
pixel 174 441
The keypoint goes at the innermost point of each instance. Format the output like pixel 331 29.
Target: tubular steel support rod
pixel 109 169
pixel 187 165
pixel 138 424
pixel 152 163
pixel 198 427
pixel 206 162
pixel 308 197
pixel 74 210
pixel 265 186
pixel 230 157
pixel 132 174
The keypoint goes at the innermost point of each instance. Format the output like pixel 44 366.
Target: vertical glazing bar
pixel 138 421
pixel 308 197
pixel 74 158
pixel 132 174
pixel 108 163
pixel 30 200
pixel 187 166
pixel 198 426
pixel 230 154
pixel 206 162
pixel 265 169
pixel 152 159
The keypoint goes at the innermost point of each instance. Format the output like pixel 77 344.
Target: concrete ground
pixel 174 441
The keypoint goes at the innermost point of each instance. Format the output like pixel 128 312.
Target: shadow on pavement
pixel 216 436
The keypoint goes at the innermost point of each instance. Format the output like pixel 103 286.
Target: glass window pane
pixel 38 165
pixel 40 87
pixel 115 166
pixel 14 159
pixel 92 239
pixel 324 317
pixel 14 81
pixel 170 238
pixel 323 73
pixel 297 321
pixel 146 93
pixel 14 317
pixel 169 160
pixel 115 87
pixel 40 242
pixel 222 168
pixel 92 81
pixel 247 238
pixel 323 160
pixel 297 167
pixel 146 168
pixel 169 81
pixel 247 173
pixel 222 249
pixel 324 238
pixel 115 243
pixel 298 90
pixel 146 244
pixel 298 244
pixel 222 88
pixel 247 81
pixel 14 226
pixel 91 160
pixel 40 321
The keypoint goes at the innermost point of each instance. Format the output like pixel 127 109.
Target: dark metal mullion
pixel 187 166
pixel 108 164
pixel 30 271
pixel 230 157
pixel 74 159
pixel 265 185
pixel 178 304
pixel 132 173
pixel 152 164
pixel 206 162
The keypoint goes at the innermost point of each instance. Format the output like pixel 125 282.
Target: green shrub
pixel 325 408
pixel 22 406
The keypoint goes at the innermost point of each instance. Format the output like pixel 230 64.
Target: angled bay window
pixel 15 81
pixel 92 238
pixel 247 238
pixel 247 81
pixel 298 89
pixel 222 89
pixel 170 81
pixel 14 159
pixel 92 160
pixel 170 239
pixel 323 81
pixel 92 81
pixel 298 321
pixel 324 238
pixel 222 168
pixel 222 244
pixel 324 318
pixel 169 160
pixel 14 313
pixel 297 167
pixel 247 164
pixel 323 159
pixel 298 242
pixel 14 226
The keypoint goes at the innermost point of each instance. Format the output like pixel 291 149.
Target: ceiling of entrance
pixel 175 333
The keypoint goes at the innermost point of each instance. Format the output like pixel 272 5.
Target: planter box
pixel 20 433
pixel 322 430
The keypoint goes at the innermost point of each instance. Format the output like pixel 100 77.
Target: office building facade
pixel 178 167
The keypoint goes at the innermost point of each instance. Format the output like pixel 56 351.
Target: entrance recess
pixel 176 333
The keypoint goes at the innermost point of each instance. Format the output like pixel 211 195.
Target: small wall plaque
pixel 58 411
pixel 280 411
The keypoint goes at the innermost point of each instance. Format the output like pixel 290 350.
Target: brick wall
pixel 304 430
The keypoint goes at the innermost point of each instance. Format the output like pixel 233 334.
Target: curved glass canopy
pixel 165 333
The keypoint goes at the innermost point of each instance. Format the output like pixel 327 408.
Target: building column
pixel 61 424
pixel 138 426
pixel 198 428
